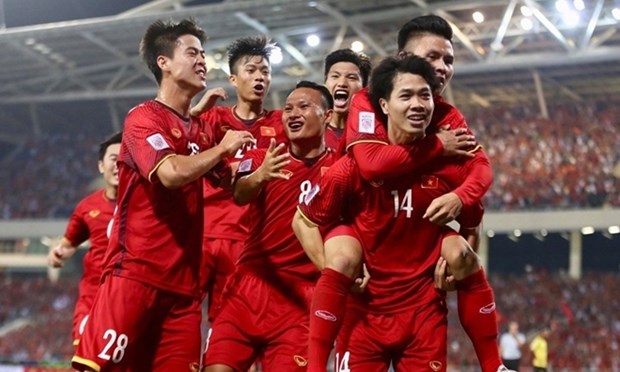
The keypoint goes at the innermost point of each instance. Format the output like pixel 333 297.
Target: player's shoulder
pixel 445 113
pixel 95 197
pixel 343 167
pixel 274 115
pixel 216 114
pixel 143 108
pixel 361 99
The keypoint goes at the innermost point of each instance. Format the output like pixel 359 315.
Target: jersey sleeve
pixel 377 161
pixel 479 178
pixel 363 125
pixel 77 230
pixel 147 143
pixel 471 216
pixel 325 204
pixel 250 162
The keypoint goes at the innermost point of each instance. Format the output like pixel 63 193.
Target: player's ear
pixel 162 62
pixel 328 116
pixel 100 166
pixel 232 79
pixel 384 104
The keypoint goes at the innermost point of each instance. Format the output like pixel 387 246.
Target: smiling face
pixel 107 166
pixel 187 66
pixel 305 116
pixel 251 78
pixel 437 51
pixel 409 108
pixel 343 80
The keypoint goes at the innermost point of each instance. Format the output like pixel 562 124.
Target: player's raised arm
pixel 179 170
pixel 249 185
pixel 208 100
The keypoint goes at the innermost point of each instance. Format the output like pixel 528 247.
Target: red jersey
pixel 157 232
pixel 272 247
pixel 400 248
pixel 334 137
pixel 89 221
pixel 223 218
pixel 364 126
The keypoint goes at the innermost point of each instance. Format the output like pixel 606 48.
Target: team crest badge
pixel 301 361
pixel 204 139
pixel 176 133
pixel 286 172
pixel 435 365
pixel 94 213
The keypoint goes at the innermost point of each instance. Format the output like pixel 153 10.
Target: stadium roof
pixel 64 71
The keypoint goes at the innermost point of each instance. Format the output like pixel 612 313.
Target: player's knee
pixel 460 256
pixel 346 260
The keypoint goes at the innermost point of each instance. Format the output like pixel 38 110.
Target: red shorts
pixel 134 326
pixel 80 317
pixel 219 258
pixel 258 317
pixel 341 230
pixel 414 340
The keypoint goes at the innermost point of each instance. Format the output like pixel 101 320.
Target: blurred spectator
pixel 540 350
pixel 510 344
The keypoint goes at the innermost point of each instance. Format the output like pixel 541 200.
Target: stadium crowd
pixel 571 160
pixel 36 314
pixel 584 318
pixel 60 168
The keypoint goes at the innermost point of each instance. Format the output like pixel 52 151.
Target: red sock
pixel 326 315
pixel 476 307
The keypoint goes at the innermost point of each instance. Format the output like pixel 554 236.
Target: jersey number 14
pixel 402 205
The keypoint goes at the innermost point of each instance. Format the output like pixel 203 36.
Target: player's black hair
pixel 427 24
pixel 248 47
pixel 160 39
pixel 348 55
pixel 328 100
pixel 382 80
pixel 112 140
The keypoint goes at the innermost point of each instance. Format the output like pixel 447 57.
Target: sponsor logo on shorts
pixel 435 365
pixel 301 361
pixel 488 309
pixel 323 314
